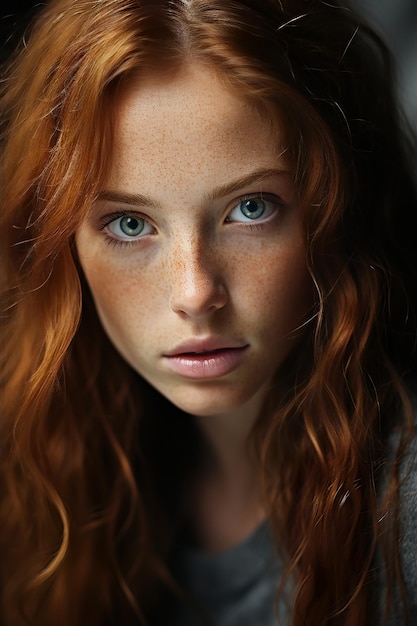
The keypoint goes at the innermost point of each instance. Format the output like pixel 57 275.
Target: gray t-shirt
pixel 234 588
pixel 238 587
pixel 408 541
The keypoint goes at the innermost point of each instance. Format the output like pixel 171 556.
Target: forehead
pixel 187 127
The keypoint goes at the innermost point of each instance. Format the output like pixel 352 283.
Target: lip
pixel 209 344
pixel 206 358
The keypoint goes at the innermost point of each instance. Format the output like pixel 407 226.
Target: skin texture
pixel 200 268
pixel 197 270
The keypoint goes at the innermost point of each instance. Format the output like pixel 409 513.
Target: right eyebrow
pixel 126 198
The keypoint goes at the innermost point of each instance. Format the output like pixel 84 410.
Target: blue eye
pixel 129 227
pixel 251 209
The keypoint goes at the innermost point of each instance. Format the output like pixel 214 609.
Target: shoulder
pixel 408 515
pixel 407 521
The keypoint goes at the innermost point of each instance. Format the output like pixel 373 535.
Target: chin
pixel 203 408
pixel 210 402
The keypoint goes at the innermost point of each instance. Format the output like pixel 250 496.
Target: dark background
pixel 14 18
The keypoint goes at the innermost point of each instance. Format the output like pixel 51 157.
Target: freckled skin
pixel 197 274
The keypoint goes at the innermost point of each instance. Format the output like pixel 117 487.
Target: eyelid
pixel 107 219
pixel 114 239
pixel 262 195
pixel 267 197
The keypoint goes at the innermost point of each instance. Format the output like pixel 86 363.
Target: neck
pixel 225 501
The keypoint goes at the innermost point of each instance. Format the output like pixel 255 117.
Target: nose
pixel 198 287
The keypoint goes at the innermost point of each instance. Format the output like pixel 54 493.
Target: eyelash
pixel 255 226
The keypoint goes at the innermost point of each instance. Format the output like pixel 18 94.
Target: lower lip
pixel 208 364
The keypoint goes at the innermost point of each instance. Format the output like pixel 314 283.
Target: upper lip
pixel 209 344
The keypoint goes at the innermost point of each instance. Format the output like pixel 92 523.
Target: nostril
pixel 200 297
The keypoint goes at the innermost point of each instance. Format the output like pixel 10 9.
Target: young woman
pixel 209 320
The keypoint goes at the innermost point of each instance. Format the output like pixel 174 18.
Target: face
pixel 194 251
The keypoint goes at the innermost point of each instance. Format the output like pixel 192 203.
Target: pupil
pixel 253 208
pixel 131 225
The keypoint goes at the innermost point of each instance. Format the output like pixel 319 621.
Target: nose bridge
pixel 197 284
pixel 196 253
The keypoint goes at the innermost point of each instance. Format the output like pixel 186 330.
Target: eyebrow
pixel 218 192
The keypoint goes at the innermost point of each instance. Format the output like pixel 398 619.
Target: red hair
pixel 83 502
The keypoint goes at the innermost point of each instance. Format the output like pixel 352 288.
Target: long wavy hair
pixel 91 469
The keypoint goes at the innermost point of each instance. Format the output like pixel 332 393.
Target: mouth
pixel 207 345
pixel 206 363
pixel 198 353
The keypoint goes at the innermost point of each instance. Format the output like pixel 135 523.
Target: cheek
pixel 278 284
pixel 125 299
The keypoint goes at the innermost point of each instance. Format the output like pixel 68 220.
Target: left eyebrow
pixel 244 181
